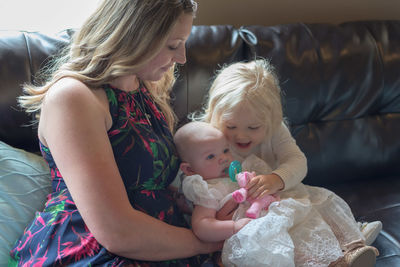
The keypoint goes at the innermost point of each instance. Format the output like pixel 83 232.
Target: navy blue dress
pixel 147 160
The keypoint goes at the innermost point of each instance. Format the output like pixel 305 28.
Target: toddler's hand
pixel 239 224
pixel 262 185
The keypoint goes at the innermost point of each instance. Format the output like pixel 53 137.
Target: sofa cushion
pixel 24 184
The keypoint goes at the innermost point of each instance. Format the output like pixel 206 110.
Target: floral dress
pixel 148 163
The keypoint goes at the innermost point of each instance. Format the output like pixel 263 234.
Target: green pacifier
pixel 234 168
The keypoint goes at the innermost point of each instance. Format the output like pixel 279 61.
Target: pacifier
pixel 234 168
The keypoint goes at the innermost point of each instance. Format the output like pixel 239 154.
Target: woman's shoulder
pixel 70 101
pixel 69 89
pixel 72 93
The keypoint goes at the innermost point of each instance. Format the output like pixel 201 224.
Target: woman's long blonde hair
pixel 116 40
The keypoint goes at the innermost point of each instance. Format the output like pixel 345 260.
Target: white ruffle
pixel 211 193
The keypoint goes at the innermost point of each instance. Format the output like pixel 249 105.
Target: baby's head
pixel 248 90
pixel 203 150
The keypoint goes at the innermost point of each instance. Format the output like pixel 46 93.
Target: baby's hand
pixel 262 185
pixel 239 224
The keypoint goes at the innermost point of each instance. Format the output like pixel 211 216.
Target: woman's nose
pixel 180 56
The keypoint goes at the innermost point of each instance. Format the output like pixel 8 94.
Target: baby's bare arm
pixel 207 228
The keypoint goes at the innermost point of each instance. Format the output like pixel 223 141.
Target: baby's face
pixel 244 130
pixel 211 157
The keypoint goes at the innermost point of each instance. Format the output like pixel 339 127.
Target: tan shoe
pixel 364 256
pixel 370 230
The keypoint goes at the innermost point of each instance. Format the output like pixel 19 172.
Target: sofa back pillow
pixel 25 182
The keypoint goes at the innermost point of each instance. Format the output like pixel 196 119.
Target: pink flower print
pixel 29 237
pixel 148 193
pixel 122 97
pixel 40 261
pixel 114 132
pixel 32 262
pixel 145 142
pixel 129 147
pixel 161 216
pixel 40 219
pixel 68 201
pixel 87 246
pixel 64 216
pixel 154 109
pixel 55 173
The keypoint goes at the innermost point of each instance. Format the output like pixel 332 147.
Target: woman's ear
pixel 186 169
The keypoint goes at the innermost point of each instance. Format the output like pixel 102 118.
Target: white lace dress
pixel 309 226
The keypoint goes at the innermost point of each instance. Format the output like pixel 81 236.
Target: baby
pixel 206 157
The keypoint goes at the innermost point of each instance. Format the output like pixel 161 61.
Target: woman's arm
pixel 208 228
pixel 73 125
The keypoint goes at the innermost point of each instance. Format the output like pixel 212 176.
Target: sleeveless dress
pixel 148 163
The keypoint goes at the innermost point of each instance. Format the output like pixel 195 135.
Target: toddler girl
pixel 309 226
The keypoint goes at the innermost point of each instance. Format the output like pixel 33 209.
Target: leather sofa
pixel 341 97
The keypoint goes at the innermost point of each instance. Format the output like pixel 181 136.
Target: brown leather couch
pixel 341 96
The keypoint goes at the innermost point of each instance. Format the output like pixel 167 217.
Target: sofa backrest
pixel 22 54
pixel 340 83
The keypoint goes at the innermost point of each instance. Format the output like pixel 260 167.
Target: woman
pixel 105 129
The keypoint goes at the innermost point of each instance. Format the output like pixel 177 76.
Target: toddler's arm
pixel 292 166
pixel 207 228
pixel 291 169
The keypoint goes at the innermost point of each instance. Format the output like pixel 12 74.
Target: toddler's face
pixel 211 158
pixel 244 130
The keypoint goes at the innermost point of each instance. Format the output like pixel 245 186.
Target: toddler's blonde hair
pixel 251 83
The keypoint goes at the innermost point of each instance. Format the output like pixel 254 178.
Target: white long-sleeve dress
pixel 309 226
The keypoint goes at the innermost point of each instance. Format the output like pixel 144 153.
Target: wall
pixel 47 16
pixel 272 12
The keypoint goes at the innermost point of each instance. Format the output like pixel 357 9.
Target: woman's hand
pixel 262 185
pixel 208 247
pixel 226 212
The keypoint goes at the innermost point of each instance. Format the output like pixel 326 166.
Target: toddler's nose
pixel 240 136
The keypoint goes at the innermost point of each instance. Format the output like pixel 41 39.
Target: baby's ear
pixel 186 169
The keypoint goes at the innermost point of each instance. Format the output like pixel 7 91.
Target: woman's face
pixel 172 52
